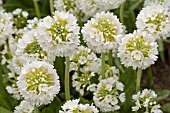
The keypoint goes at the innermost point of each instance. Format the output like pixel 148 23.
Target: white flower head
pixel 24 107
pixel 138 50
pixel 155 19
pixel 73 106
pixel 29 49
pixel 146 99
pixel 109 94
pixel 59 34
pixel 162 2
pixel 20 18
pixel 100 32
pixel 70 6
pixel 109 4
pixel 5 26
pixel 83 63
pixel 38 82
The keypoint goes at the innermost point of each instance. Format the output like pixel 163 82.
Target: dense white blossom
pixel 152 2
pixel 59 34
pixel 70 6
pixel 155 19
pixel 6 25
pixel 28 49
pixel 109 94
pixel 24 107
pixel 109 4
pixel 100 32
pixel 38 83
pixel 146 99
pixel 138 50
pixel 73 106
pixel 85 65
pixel 19 18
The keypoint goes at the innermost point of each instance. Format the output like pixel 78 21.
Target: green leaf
pixel 4 110
pixel 166 108
pixel 47 110
pixel 162 94
pixel 60 67
pixel 128 78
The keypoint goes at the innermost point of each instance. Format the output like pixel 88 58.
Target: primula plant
pixel 82 56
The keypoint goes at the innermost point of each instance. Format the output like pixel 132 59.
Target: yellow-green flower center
pixel 76 110
pixel 19 21
pixel 34 48
pixel 104 91
pixel 59 31
pixel 140 44
pixel 157 21
pixel 107 28
pixel 38 76
pixel 84 79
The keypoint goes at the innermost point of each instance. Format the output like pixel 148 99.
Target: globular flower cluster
pixel 29 49
pixel 73 106
pixel 101 31
pixel 59 34
pixel 70 6
pixel 155 19
pixel 146 99
pixel 6 25
pixel 153 2
pixel 86 8
pixel 110 4
pixel 138 50
pixel 19 18
pixel 24 107
pixel 109 94
pixel 38 82
pixel 86 65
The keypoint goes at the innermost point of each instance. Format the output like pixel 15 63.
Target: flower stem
pixel 37 10
pixel 138 80
pixel 67 70
pixel 121 13
pixel 110 62
pixel 51 6
pixel 36 110
pixel 103 65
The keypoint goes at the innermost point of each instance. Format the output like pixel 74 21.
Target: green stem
pixel 103 65
pixel 36 110
pixel 51 6
pixel 67 71
pixel 110 62
pixel 121 13
pixel 149 78
pixel 138 80
pixel 37 10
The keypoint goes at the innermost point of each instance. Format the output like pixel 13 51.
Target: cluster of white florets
pixel 108 94
pixel 24 107
pixel 73 106
pixel 59 34
pixel 36 43
pixel 155 19
pixel 138 50
pixel 152 2
pixel 146 99
pixel 101 31
pixel 86 65
pixel 38 82
pixel 85 9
